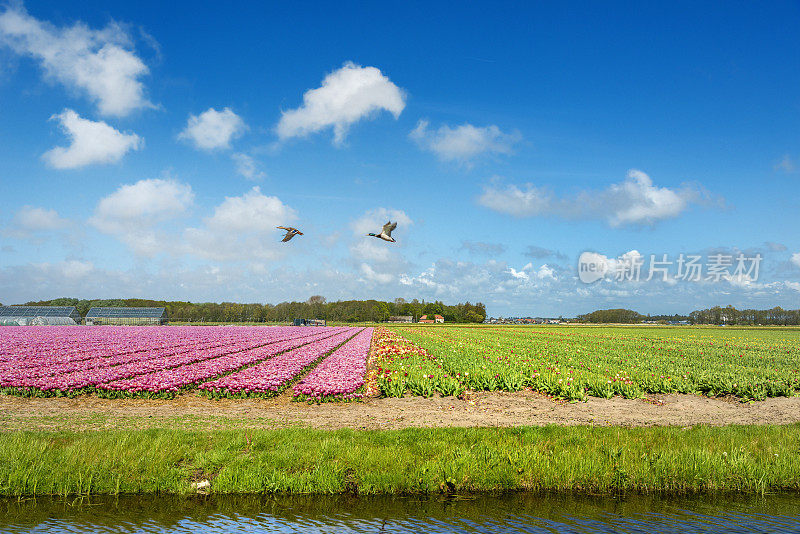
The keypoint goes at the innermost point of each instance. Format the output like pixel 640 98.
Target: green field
pixel 573 362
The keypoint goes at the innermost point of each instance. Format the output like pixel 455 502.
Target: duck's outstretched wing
pixel 388 227
pixel 290 233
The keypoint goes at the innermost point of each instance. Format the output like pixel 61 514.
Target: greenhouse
pixel 39 315
pixel 126 316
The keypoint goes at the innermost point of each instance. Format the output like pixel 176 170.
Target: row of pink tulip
pixel 88 373
pixel 340 375
pixel 274 375
pixel 169 381
pixel 215 350
pixel 53 366
pixel 44 348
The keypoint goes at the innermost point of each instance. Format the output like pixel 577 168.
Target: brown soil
pixel 476 409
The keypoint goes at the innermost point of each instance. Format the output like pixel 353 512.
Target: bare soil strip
pixel 484 409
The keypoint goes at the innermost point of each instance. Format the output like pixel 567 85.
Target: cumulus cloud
pixel 373 220
pixel 34 219
pixel 347 95
pixel 529 273
pixel 212 129
pixel 370 274
pixel 463 143
pixel 638 201
pixel 796 258
pixel 379 261
pixel 100 63
pixel 247 166
pixel 30 221
pixel 134 211
pixel 241 228
pixel 91 143
pixel 635 201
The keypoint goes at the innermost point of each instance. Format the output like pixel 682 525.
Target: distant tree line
pixel 716 315
pixel 316 307
pixel 732 316
pixel 619 315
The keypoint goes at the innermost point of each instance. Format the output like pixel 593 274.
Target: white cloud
pixel 529 273
pixel 346 96
pixel 30 222
pixel 213 129
pixel 520 275
pixel 247 166
pixel 373 276
pixel 241 228
pixel 91 143
pixel 464 142
pixel 371 250
pixel 512 200
pixel 796 258
pixel 76 268
pixel 372 221
pixel 635 201
pixel 32 219
pixel 134 211
pixel 99 63
pixel 377 260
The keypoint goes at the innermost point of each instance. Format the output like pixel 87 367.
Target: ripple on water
pixel 507 513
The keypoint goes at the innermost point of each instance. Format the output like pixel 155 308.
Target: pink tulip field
pixel 160 362
pixel 340 376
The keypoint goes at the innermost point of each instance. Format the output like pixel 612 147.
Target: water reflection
pixel 516 512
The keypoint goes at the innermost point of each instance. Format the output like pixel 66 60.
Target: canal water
pixel 514 512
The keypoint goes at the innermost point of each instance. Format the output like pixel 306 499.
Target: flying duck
pixel 386 233
pixel 290 233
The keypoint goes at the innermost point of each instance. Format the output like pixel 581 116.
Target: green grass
pixel 751 459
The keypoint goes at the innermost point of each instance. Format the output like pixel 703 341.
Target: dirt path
pixel 479 409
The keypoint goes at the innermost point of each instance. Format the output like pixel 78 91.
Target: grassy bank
pixel 299 460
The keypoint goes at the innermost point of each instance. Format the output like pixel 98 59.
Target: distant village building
pixel 522 320
pixel 401 319
pixel 434 319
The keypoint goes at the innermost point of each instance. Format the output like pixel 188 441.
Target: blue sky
pixel 149 150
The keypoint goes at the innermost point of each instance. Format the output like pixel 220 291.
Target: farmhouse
pixel 401 319
pixel 431 319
